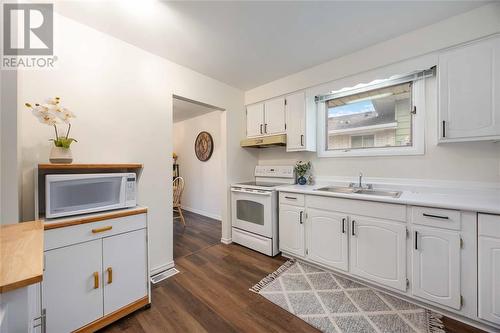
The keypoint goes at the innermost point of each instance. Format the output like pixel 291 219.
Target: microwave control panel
pixel 130 188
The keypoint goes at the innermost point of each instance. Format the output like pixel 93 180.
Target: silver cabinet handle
pixel 302 140
pixel 265 128
pixel 301 217
pixel 444 128
pixel 261 129
pixel 291 198
pixel 416 240
pixel 343 225
pixel 352 228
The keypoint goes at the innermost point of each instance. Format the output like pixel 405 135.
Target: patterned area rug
pixel 333 303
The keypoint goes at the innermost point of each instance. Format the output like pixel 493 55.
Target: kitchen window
pixel 384 117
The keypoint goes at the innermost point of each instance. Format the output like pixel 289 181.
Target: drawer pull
pixel 96 280
pixel 98 230
pixel 110 275
pixel 291 198
pixel 436 216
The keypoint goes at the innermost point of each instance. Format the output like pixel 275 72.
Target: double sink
pixel 364 191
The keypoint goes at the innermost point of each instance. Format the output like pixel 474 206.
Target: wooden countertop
pixel 101 216
pixel 21 255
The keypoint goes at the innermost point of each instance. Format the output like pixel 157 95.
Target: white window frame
pixel 418 131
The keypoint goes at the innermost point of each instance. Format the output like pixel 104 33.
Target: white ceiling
pixel 183 109
pixel 246 44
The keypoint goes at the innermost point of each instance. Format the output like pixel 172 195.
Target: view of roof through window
pixel 383 115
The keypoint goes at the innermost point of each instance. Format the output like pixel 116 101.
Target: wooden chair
pixel 178 185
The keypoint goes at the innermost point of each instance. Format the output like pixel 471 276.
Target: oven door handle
pixel 266 193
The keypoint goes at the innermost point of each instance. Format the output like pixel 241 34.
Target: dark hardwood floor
pixel 210 294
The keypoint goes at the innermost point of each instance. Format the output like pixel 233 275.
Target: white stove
pixel 254 208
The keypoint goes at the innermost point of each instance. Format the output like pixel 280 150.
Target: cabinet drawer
pixel 294 199
pixel 358 207
pixel 436 217
pixel 55 238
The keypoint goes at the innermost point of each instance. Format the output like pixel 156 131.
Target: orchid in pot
pixel 53 114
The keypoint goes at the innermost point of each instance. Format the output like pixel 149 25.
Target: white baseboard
pixel 161 268
pixel 202 212
pixel 226 240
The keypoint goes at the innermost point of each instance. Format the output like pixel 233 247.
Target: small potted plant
pixel 52 113
pixel 301 169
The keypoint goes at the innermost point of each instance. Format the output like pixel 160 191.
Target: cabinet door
pixel 72 286
pixel 489 278
pixel 327 236
pixel 295 121
pixel 125 275
pixel 255 120
pixel 378 251
pixel 291 229
pixel 436 265
pixel 469 98
pixel 274 119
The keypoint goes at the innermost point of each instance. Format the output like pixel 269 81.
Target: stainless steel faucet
pixel 360 185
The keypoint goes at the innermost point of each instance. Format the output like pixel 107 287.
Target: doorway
pixel 197 159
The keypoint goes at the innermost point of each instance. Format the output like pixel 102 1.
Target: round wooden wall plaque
pixel 204 146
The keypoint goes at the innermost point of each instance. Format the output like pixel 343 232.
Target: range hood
pixel 265 141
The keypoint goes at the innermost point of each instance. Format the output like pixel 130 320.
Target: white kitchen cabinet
pixel 489 267
pixel 436 265
pixel 95 272
pixel 72 291
pixel 124 259
pixel 469 98
pixel 300 123
pixel 291 230
pixel 378 251
pixel 327 238
pixel 255 120
pixel 274 116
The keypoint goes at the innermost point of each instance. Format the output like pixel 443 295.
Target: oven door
pixel 252 210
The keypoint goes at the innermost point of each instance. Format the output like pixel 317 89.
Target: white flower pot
pixel 60 155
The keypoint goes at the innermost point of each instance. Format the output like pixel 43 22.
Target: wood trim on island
pixel 114 316
pixel 21 255
pixel 93 218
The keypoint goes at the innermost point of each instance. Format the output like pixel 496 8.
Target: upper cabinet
pixel 301 123
pixel 255 120
pixel 469 98
pixel 274 116
pixel 266 118
pixel 292 115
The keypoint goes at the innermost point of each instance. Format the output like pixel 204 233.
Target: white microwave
pixel 73 194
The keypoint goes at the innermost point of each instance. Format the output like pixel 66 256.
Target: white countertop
pixel 483 201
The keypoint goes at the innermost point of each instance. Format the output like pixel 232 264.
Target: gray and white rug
pixel 333 303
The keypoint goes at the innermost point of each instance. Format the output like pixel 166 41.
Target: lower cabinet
pixel 94 273
pixel 72 292
pixel 489 268
pixel 378 251
pixel 291 229
pixel 327 238
pixel 436 265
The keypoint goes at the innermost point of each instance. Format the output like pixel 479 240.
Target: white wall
pixel 479 161
pixel 202 192
pixel 122 96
